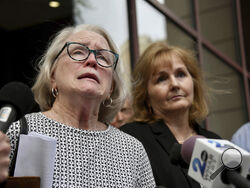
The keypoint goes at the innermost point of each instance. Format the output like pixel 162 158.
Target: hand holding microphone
pixel 16 99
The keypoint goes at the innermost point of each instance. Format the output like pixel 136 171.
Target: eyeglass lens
pixel 79 52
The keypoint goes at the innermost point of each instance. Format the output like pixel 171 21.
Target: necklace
pixel 183 140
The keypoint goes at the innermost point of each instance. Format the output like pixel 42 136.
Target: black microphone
pixel 233 177
pixel 175 156
pixel 16 100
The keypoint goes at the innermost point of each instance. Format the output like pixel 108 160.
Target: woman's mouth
pixel 89 76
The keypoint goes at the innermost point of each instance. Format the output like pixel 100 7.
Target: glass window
pixel 183 9
pixel 217 22
pixel 163 28
pixel 228 109
pixel 151 23
pixel 178 37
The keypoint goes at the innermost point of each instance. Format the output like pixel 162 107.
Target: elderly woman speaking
pixel 79 91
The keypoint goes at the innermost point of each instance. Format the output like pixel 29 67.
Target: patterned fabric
pixel 242 137
pixel 84 158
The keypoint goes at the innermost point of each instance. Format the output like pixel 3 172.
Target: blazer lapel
pixel 163 135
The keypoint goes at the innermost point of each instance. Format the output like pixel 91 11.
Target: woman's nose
pixel 91 60
pixel 119 116
pixel 174 82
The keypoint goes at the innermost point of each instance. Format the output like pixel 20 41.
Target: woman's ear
pixel 112 88
pixel 52 79
pixel 53 72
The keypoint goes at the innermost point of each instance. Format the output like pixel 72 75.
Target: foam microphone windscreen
pixel 19 95
pixel 188 147
pixel 175 156
pixel 175 153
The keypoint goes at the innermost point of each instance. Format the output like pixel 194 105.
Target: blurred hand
pixel 4 157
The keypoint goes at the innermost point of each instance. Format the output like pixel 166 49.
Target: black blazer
pixel 158 140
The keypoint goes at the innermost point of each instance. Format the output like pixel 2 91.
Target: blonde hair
pixel 42 86
pixel 148 63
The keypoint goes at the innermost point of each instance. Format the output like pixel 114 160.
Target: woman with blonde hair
pixel 79 91
pixel 169 99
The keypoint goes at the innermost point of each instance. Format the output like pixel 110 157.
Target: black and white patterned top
pixel 84 158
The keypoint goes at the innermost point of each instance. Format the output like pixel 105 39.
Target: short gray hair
pixel 42 86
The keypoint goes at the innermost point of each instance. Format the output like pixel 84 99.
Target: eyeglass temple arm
pixel 60 51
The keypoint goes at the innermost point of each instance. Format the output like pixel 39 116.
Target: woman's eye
pixel 78 52
pixel 181 74
pixel 101 57
pixel 161 78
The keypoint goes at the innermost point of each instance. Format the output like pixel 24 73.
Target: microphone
pixel 175 156
pixel 16 100
pixel 181 155
pixel 209 157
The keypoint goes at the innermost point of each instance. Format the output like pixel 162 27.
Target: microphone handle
pixel 236 179
pixel 7 116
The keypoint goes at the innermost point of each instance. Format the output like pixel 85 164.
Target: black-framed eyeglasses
pixel 80 52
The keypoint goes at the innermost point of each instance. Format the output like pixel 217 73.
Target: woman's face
pixel 170 88
pixel 86 77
